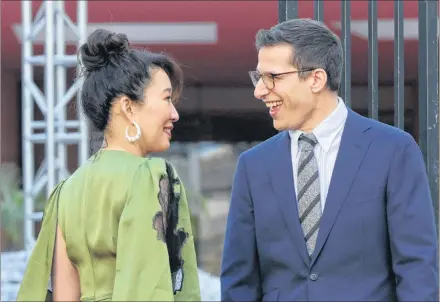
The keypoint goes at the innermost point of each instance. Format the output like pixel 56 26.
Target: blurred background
pixel 43 138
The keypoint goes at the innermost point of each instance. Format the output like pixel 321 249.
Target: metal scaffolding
pixel 55 131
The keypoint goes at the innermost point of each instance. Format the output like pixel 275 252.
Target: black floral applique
pixel 165 222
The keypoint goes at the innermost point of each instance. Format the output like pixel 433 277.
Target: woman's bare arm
pixel 65 278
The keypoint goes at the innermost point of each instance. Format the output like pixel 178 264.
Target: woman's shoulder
pixel 120 159
pixel 113 163
pixel 158 169
pixel 121 172
pixel 158 165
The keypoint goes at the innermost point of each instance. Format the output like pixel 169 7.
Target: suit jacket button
pixel 314 277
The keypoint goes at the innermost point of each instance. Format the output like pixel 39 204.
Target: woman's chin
pixel 162 146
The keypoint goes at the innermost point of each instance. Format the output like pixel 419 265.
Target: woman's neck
pixel 134 148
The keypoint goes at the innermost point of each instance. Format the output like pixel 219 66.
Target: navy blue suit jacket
pixel 377 239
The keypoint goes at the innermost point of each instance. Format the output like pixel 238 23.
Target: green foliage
pixel 12 204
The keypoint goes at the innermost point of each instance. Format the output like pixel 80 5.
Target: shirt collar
pixel 328 129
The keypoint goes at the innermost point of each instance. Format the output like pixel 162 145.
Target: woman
pixel 119 228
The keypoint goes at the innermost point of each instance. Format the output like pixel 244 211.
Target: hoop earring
pixel 132 139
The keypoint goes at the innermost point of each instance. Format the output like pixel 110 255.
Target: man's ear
pixel 319 80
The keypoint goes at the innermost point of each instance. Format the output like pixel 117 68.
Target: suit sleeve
pixel 142 265
pixel 412 229
pixel 240 275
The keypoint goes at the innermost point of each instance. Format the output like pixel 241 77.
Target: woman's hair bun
pixel 102 47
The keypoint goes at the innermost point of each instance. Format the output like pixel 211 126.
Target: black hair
pixel 111 68
pixel 313 46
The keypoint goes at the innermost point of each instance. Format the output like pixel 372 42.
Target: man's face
pixel 291 100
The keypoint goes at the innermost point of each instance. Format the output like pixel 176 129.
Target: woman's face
pixel 155 115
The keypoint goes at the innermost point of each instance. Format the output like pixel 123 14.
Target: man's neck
pixel 325 106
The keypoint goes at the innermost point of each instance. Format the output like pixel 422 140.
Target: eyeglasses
pixel 269 78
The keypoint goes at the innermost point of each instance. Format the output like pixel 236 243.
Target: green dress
pixel 126 223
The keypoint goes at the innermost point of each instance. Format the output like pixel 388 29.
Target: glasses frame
pixel 272 76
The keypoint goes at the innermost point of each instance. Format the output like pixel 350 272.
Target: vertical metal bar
pixel 429 92
pixel 84 129
pixel 373 71
pixel 291 9
pixel 399 65
pixel 27 117
pixel 49 79
pixel 60 89
pixel 194 169
pixel 433 99
pixel 346 44
pixel 422 53
pixel 318 10
pixel 282 10
pixel 437 207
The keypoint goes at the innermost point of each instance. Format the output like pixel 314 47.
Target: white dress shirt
pixel 328 134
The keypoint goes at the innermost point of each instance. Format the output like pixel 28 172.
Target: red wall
pixel 10 117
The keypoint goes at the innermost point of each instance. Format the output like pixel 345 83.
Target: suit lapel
pixel 283 185
pixel 352 150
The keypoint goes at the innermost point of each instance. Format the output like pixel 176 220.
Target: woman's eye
pixel 168 99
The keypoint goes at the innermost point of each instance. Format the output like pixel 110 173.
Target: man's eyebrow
pixel 267 72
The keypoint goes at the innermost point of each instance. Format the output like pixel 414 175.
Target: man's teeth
pixel 273 104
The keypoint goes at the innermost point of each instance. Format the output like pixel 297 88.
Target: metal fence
pixel 428 71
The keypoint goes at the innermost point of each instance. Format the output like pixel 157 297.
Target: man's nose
pixel 260 90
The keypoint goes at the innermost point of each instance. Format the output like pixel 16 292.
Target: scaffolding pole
pixel 54 131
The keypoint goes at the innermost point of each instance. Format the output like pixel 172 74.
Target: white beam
pixel 144 33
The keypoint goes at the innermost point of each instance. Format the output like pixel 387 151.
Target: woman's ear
pixel 127 108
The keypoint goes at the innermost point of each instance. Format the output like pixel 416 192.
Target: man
pixel 336 207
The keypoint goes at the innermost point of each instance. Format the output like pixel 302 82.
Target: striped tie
pixel 309 205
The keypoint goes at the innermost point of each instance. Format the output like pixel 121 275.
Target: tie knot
pixel 307 141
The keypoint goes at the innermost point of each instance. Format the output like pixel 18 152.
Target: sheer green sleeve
pixel 35 283
pixel 190 290
pixel 155 249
